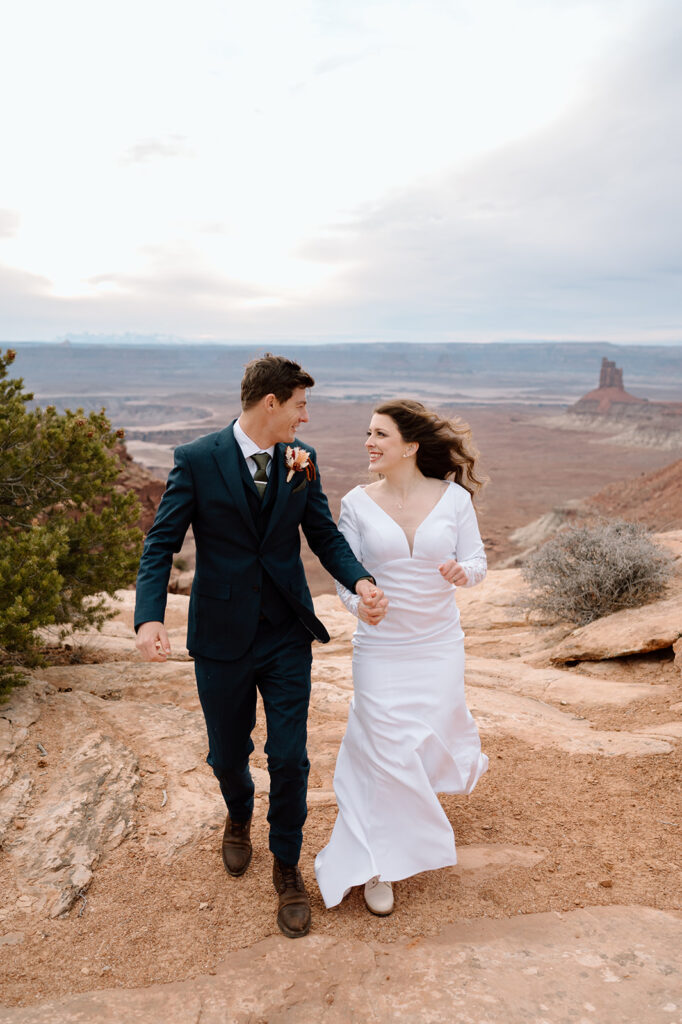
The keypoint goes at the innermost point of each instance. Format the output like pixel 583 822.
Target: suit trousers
pixel 278 665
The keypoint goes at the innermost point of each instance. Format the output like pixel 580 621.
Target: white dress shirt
pixel 250 448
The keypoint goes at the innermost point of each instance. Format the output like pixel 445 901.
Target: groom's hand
pixel 152 641
pixel 373 605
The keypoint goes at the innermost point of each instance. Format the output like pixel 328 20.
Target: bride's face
pixel 384 444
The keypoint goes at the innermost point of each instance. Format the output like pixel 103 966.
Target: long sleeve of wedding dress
pixel 470 552
pixel 348 526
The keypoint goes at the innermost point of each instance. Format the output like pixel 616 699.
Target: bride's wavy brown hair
pixel 446 450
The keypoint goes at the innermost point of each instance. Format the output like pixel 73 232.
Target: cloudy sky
pixel 323 170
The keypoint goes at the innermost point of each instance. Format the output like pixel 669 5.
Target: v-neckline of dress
pixel 396 523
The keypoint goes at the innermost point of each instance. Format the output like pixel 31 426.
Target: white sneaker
pixel 379 897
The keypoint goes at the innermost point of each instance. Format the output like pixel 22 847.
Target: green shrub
pixel 586 572
pixel 66 532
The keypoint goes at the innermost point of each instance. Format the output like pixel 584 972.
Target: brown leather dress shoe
pixel 237 846
pixel 293 915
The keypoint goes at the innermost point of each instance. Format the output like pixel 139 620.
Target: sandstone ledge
pixel 615 965
pixel 632 631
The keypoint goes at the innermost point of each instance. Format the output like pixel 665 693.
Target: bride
pixel 409 734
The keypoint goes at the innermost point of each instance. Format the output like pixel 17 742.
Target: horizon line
pixel 151 340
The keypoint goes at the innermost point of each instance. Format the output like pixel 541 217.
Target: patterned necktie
pixel 261 478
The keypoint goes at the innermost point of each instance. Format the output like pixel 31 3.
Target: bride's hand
pixel 452 572
pixel 373 614
pixel 373 605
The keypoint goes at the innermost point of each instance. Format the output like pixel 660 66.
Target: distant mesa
pixel 609 394
pixel 631 421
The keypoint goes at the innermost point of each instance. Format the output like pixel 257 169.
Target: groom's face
pixel 287 416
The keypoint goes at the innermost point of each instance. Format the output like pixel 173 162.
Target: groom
pixel 251 617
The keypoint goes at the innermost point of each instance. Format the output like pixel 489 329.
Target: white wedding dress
pixel 410 734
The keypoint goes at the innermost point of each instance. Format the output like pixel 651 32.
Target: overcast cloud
pixel 364 190
pixel 9 223
pixel 150 149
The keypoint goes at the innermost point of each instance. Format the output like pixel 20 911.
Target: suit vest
pixel 272 606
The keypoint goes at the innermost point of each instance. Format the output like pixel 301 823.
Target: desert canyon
pixel 565 904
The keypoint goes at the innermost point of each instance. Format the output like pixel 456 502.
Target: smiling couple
pixel 245 491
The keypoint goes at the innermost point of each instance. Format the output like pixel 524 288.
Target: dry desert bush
pixel 586 572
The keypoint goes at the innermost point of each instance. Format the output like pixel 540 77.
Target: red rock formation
pixel 611 376
pixel 610 392
pixel 654 499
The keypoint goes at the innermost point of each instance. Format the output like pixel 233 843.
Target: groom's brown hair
pixel 272 375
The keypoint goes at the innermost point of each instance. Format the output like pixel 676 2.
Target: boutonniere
pixel 297 461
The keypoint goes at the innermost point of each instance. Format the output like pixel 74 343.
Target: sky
pixel 330 170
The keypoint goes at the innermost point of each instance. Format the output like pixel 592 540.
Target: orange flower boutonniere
pixel 297 461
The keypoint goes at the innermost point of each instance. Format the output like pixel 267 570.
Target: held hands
pixel 373 605
pixel 452 572
pixel 152 641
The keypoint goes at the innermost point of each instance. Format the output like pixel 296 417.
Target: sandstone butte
pixel 564 905
pixel 611 398
pixel 630 420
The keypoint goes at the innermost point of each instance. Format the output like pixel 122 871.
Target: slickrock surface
pixel 553 684
pixel 603 964
pixel 84 814
pixel 632 631
pixel 565 903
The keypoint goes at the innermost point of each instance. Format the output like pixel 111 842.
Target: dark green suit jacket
pixel 242 554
